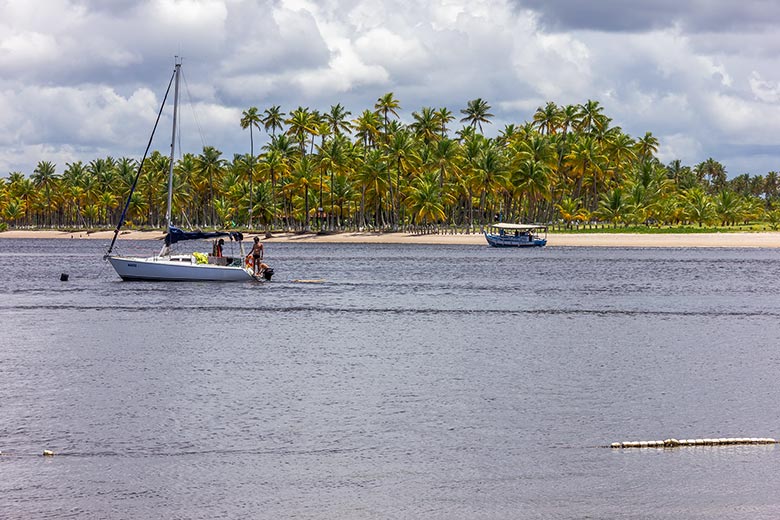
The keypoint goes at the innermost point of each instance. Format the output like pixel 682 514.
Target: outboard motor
pixel 268 272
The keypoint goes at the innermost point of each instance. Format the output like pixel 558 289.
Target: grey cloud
pixel 644 15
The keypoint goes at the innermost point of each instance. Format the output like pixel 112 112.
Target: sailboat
pixel 166 266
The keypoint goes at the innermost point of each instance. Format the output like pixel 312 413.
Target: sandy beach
pixel 757 239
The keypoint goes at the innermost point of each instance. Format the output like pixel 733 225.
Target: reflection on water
pixel 414 382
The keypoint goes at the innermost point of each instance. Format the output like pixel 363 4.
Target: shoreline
pixel 763 239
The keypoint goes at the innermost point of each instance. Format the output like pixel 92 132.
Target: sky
pixel 83 79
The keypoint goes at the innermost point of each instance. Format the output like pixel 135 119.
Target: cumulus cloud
pixel 83 78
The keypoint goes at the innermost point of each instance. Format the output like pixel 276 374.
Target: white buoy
pixel 48 453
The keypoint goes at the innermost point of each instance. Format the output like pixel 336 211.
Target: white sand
pixel 738 239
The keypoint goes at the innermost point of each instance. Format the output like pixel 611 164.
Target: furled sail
pixel 177 235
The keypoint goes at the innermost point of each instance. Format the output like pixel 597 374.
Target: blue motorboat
pixel 503 234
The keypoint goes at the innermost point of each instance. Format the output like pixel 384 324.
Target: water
pixel 413 382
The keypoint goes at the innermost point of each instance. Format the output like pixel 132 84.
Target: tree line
pixel 334 171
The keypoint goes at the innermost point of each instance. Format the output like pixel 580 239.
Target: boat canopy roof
pixel 518 227
pixel 177 235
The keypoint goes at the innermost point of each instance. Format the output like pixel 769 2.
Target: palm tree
pixel 107 201
pixel 569 118
pixel 302 174
pixel 425 125
pixel 425 200
pixel 251 119
pixel 210 165
pixel 337 121
pixel 728 207
pixel 387 104
pixel 548 119
pixel 272 119
pixel 302 123
pixel 714 171
pixel 590 117
pixel 646 146
pixel 532 181
pixel 401 151
pixel 15 210
pixel 444 117
pixel 372 178
pixel 585 159
pixel 332 159
pixel 45 179
pixel 612 207
pixel 446 157
pixel 571 209
pixel 771 185
pixel 488 175
pixel 620 153
pixel 477 112
pixel 698 206
pixel 367 128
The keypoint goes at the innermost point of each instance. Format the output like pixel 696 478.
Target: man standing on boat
pixel 257 255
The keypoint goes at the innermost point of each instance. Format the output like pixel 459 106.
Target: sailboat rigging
pixel 181 267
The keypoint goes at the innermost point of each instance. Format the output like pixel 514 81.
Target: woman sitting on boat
pixel 218 248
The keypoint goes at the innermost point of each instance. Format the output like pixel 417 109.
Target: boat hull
pixel 161 269
pixel 512 241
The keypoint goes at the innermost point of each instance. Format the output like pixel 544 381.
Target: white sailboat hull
pixel 166 269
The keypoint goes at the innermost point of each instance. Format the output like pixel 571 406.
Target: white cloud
pixel 684 147
pixel 82 78
pixel 766 91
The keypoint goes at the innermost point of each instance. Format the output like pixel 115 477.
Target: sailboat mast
pixel 173 141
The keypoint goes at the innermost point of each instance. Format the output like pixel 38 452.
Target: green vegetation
pixel 330 172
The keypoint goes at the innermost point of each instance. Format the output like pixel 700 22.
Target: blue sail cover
pixel 177 235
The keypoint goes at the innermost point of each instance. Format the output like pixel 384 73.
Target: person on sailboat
pixel 257 256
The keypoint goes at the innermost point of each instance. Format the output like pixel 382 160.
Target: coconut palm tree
pixel 337 119
pixel 15 210
pixel 425 200
pixel 547 119
pixel 106 202
pixel 771 185
pixel 210 164
pixel 372 179
pixel 646 146
pixel 426 126
pixel 698 206
pixel 367 128
pixel 712 171
pixel 272 119
pixel 45 179
pixel 401 151
pixel 387 104
pixel 443 118
pixel 301 181
pixel 728 207
pixel 571 210
pixel 590 117
pixel 302 124
pixel 585 160
pixel 612 207
pixel 251 119
pixel 532 181
pixel 476 112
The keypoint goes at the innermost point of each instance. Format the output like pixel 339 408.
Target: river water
pixel 409 382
